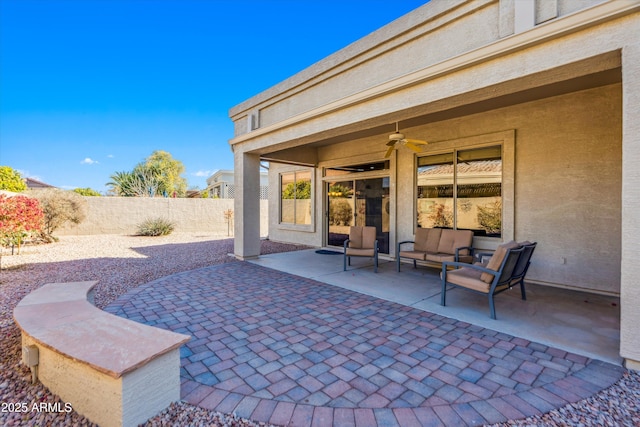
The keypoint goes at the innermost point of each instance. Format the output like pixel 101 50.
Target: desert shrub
pixel 20 218
pixel 340 212
pixel 490 217
pixel 155 227
pixel 60 207
pixel 440 216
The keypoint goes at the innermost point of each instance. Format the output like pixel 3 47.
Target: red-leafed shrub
pixel 20 217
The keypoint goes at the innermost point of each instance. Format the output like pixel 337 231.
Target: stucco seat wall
pixel 112 370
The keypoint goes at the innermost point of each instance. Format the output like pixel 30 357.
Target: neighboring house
pixel 34 184
pixel 549 90
pixel 220 185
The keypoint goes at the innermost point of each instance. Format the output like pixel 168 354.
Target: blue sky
pixel 92 87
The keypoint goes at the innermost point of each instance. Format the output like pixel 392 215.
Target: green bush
pixel 155 227
pixel 86 191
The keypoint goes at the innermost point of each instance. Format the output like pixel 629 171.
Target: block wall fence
pixel 122 215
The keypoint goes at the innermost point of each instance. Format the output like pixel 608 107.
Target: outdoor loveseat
pixel 506 268
pixel 437 245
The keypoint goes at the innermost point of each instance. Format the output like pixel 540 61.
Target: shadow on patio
pixel 578 322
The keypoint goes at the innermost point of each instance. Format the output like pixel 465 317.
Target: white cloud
pixel 206 174
pixel 89 161
pixel 110 156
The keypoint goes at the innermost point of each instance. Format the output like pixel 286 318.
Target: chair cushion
pixel 369 235
pixel 452 239
pixel 427 239
pixel 360 252
pixel 496 260
pixel 419 255
pixel 355 237
pixel 468 278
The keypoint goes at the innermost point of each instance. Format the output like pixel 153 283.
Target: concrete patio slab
pixel 576 321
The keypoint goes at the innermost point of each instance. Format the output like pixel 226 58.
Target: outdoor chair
pixel 496 277
pixel 362 242
pixel 522 266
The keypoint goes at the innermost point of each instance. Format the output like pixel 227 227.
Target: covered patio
pixel 536 101
pixel 578 322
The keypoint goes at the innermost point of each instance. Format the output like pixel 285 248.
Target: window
pixel 295 198
pixel 461 189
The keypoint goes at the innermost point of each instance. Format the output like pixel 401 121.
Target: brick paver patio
pixel 282 349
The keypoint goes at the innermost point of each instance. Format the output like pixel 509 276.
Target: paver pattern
pixel 283 349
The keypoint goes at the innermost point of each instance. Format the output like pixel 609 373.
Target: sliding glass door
pixel 362 202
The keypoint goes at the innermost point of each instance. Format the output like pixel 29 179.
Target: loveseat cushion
pixel 427 239
pixel 417 255
pixel 496 260
pixel 452 239
pixel 447 257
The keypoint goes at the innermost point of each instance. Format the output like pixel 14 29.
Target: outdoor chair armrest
pixel 405 241
pixel 457 256
pixel 464 264
pixel 346 243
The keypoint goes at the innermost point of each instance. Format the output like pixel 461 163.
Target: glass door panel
pixel 372 208
pixel 340 211
pixel 362 202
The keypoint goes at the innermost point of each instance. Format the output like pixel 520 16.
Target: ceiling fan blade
pixel 389 151
pixel 391 143
pixel 411 146
pixel 416 141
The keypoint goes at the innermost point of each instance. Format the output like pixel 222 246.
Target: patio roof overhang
pixel 274 140
pixel 589 73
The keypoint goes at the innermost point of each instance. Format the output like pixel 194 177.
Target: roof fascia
pixel 577 21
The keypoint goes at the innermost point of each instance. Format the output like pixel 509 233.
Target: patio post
pixel 630 268
pixel 246 205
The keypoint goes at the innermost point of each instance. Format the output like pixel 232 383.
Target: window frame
pixel 293 225
pixel 506 140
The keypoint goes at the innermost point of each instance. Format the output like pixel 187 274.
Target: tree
pixel 167 171
pixel 86 192
pixel 60 207
pixel 297 190
pixel 20 216
pixel 159 175
pixel 141 182
pixel 11 180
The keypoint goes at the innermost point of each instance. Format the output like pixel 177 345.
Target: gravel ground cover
pixel 121 263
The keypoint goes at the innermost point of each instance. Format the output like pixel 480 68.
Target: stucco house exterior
pixel 221 185
pixel 531 111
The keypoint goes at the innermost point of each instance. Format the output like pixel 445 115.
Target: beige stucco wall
pixel 122 215
pixel 110 402
pixel 630 295
pixel 568 183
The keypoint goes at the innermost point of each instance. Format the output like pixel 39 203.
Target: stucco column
pixel 630 274
pixel 246 205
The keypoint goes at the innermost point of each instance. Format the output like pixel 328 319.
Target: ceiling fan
pixel 396 139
